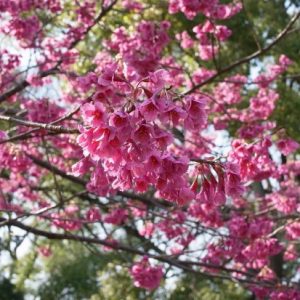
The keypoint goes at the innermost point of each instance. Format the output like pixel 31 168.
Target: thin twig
pixel 248 58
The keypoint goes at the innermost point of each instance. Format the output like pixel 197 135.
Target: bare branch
pixel 184 265
pixel 55 128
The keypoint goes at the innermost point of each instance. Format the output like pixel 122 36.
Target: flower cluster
pixel 145 275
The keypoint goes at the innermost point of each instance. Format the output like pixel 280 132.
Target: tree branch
pixel 248 58
pixel 55 128
pixel 23 84
pixel 184 265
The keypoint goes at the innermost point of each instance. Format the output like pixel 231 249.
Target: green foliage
pixel 115 283
pixel 193 287
pixel 8 291
pixel 287 111
pixel 72 272
pixel 25 269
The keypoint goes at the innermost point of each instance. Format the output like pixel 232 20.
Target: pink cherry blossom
pixel 145 275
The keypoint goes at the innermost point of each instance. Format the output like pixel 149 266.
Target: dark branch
pixel 248 58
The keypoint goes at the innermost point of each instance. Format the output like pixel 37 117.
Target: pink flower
pixel 285 294
pixel 146 276
pixel 116 217
pixel 291 253
pixel 223 11
pixel 132 5
pixel 222 32
pixel 71 209
pixel 60 220
pixel 196 114
pixel 124 179
pixel 81 167
pixel 85 82
pixel 3 135
pixel 293 230
pixel 262 248
pixel 154 162
pixel 185 40
pixel 283 203
pixel 266 273
pixel 143 134
pixel 162 137
pixel 174 114
pixel 176 250
pixel 111 245
pixel 149 110
pixel 98 182
pixel 119 120
pixel 208 52
pixel 147 230
pixel 202 74
pixel 233 185
pixel 94 114
pixel 45 251
pixel 93 214
pixel 159 79
pixel 287 146
pixel 105 144
pixel 238 227
pixel 25 29
pixel 284 60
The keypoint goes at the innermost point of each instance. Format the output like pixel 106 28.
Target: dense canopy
pixel 149 149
